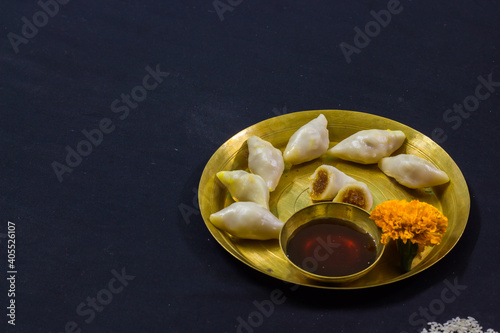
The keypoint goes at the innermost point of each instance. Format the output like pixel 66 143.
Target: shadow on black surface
pixel 192 226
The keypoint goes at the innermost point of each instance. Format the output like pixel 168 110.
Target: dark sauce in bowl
pixel 331 247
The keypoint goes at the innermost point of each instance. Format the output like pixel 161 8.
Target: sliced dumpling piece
pixel 326 181
pixel 355 193
pixel 245 186
pixel 412 171
pixel 247 220
pixel 368 146
pixel 265 160
pixel 308 142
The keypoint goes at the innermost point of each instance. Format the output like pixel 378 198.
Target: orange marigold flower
pixel 416 221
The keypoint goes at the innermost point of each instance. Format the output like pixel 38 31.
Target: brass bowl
pixel 351 216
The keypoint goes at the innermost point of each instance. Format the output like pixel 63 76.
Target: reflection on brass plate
pixel 291 194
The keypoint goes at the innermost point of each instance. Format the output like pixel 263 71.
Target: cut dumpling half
pixel 247 220
pixel 355 193
pixel 265 160
pixel 326 181
pixel 412 171
pixel 368 146
pixel 308 142
pixel 245 186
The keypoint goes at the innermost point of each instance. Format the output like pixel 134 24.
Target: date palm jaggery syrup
pixel 331 247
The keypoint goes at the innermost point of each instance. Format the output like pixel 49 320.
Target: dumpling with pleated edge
pixel 245 186
pixel 247 220
pixel 309 142
pixel 413 171
pixel 265 160
pixel 326 181
pixel 368 146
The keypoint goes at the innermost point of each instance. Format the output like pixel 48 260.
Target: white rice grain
pixel 457 325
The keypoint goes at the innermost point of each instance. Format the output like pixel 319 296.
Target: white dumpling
pixel 248 220
pixel 326 181
pixel 355 193
pixel 245 186
pixel 308 142
pixel 368 146
pixel 265 160
pixel 412 171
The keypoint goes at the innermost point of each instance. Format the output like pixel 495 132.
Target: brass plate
pixel 291 194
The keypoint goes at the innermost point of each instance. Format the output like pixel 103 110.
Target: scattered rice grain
pixel 457 325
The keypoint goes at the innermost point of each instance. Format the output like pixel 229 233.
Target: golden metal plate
pixel 291 194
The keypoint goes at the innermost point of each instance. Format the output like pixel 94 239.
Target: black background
pixel 124 206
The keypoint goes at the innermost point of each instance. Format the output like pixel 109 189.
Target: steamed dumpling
pixel 308 142
pixel 247 220
pixel 412 171
pixel 368 146
pixel 265 160
pixel 326 181
pixel 245 186
pixel 355 193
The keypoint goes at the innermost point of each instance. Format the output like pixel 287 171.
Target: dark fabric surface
pixel 111 229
